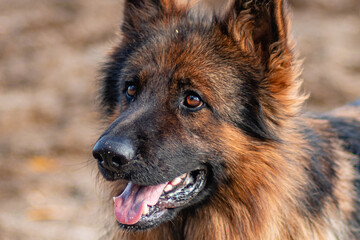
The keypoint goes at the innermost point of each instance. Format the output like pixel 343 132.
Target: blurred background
pixel 50 51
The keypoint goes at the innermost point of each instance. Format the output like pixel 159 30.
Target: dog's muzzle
pixel 113 152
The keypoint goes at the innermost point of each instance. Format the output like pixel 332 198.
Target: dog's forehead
pixel 177 55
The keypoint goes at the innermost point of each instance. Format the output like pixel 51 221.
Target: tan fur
pixel 266 185
pixel 264 180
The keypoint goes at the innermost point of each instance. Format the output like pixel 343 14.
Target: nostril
pixel 112 153
pixel 118 161
pixel 98 157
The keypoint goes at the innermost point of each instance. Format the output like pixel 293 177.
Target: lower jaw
pixel 144 224
pixel 159 213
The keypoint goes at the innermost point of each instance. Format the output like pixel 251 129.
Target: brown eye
pixel 130 92
pixel 193 101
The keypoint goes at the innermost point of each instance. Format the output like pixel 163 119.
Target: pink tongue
pixel 129 205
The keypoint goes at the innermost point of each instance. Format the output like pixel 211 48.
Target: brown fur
pixel 265 182
pixel 271 187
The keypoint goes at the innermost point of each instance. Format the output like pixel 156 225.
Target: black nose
pixel 113 152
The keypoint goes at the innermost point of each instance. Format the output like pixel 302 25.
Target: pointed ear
pixel 261 30
pixel 140 14
pixel 137 13
pixel 260 26
pixel 270 27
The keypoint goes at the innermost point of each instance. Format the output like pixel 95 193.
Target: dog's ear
pixel 260 26
pixel 139 15
pixel 261 29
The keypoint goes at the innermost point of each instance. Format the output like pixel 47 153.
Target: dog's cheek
pixel 209 147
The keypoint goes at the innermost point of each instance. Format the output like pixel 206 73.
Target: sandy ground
pixel 50 51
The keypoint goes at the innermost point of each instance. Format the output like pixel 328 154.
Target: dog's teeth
pixel 176 181
pixel 145 210
pixel 183 176
pixel 114 199
pixel 168 188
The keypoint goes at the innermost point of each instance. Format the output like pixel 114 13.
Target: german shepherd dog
pixel 207 139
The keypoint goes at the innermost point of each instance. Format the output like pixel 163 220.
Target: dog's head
pixel 194 91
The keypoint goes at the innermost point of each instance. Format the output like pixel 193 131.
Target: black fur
pixel 321 172
pixel 166 62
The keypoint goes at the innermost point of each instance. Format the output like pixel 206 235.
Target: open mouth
pixel 142 207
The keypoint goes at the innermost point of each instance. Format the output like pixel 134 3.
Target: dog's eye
pixel 193 101
pixel 130 92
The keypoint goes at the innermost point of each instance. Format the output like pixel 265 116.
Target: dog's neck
pixel 277 197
